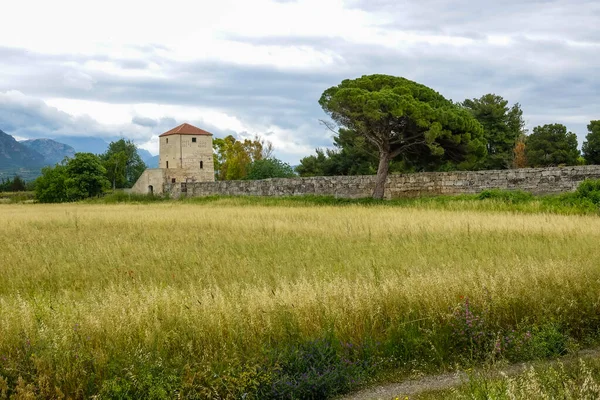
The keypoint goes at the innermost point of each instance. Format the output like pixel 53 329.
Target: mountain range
pixel 52 151
pixel 26 158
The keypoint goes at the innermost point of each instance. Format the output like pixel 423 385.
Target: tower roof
pixel 186 129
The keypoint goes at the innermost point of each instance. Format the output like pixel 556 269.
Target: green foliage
pixel 591 146
pixel 402 117
pixel 143 378
pixel 51 186
pixel 85 176
pixel 314 165
pixel 17 184
pixel 316 369
pixel 17 197
pixel 589 190
pixel 551 145
pixel 75 179
pixel 475 336
pixel 502 127
pixel 353 155
pixel 269 168
pixel 233 157
pixel 122 163
pixel 570 378
pixel 508 196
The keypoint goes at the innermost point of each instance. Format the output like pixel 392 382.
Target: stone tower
pixel 185 156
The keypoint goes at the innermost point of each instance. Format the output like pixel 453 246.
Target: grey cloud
pixel 144 121
pixel 133 64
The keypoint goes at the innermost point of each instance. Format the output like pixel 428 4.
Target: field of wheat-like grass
pixel 227 300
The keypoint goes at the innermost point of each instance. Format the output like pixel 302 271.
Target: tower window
pixel 167 164
pixel 167 140
pixel 201 164
pixel 193 140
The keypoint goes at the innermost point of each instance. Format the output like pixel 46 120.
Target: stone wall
pixel 535 180
pixel 151 180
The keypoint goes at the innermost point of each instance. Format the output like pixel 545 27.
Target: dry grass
pixel 207 285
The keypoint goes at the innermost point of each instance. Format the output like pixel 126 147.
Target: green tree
pixel 352 155
pixel 403 118
pixel 314 165
pixel 74 179
pixel 51 186
pixel 591 146
pixel 86 176
pixel 551 145
pixel 233 157
pixel 269 168
pixel 502 127
pixel 123 164
pixel 17 184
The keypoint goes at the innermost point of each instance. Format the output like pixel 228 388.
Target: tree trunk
pixel 382 174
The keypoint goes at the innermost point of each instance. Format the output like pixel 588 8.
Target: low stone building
pixel 185 157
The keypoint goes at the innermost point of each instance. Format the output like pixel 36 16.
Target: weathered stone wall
pixel 535 180
pixel 151 180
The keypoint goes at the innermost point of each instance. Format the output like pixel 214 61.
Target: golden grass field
pixel 91 292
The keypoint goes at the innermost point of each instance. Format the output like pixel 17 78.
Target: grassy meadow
pixel 234 298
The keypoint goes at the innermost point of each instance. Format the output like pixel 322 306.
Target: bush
pixel 507 196
pixel 315 369
pixel 590 190
pixel 269 168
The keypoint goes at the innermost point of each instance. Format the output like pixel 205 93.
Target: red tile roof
pixel 186 129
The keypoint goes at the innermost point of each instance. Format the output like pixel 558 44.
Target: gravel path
pixel 413 387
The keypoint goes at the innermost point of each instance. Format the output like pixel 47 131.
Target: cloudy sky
pixel 137 68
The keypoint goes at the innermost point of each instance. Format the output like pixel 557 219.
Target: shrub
pixel 315 369
pixel 507 196
pixel 590 190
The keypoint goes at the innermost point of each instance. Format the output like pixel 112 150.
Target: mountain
pixel 53 151
pixel 18 159
pixel 16 155
pixel 150 160
pixel 144 154
pixel 84 144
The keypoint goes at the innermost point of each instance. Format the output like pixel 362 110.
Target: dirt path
pixel 413 387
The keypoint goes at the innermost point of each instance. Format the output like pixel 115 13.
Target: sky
pixel 136 69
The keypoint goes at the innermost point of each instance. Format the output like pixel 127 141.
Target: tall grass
pixel 574 379
pixel 220 300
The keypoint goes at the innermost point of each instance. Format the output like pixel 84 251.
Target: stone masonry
pixel 534 180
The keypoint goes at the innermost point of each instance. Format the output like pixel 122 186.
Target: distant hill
pixel 18 159
pixel 16 155
pixel 150 160
pixel 53 151
pixel 144 154
pixel 153 162
pixel 84 144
